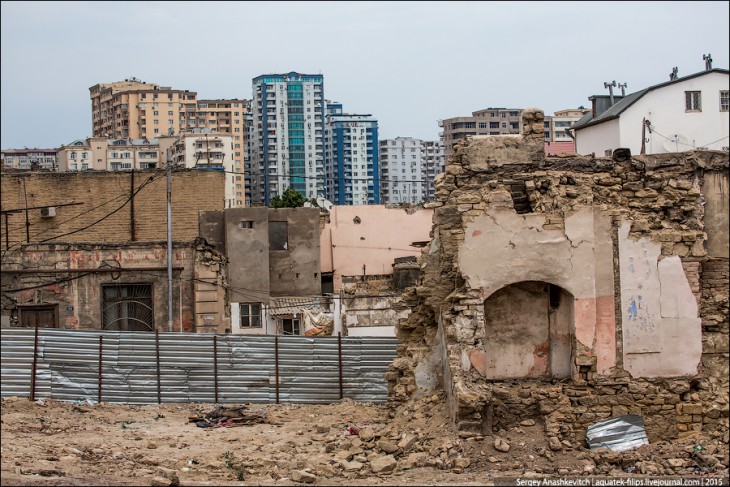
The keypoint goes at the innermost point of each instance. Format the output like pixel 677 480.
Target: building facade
pixel 134 109
pixel 273 272
pixel 490 121
pixel 27 159
pixel 229 117
pixel 91 252
pixel 558 138
pixel 682 114
pixel 205 149
pixel 409 167
pixel 403 180
pixel 352 166
pixel 102 154
pixel 287 136
pixel 432 163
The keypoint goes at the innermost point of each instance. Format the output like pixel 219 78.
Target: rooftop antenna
pixel 707 58
pixel 623 88
pixel 610 87
pixel 674 74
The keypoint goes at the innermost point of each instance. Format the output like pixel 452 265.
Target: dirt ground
pixel 60 443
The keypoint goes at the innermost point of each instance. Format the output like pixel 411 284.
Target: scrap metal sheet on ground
pixel 618 434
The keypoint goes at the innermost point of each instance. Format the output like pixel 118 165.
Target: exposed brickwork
pixel 661 198
pixel 102 195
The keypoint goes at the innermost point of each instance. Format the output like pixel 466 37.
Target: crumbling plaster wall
pixel 78 296
pixel 605 230
pixel 367 239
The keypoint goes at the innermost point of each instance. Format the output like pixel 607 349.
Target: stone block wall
pixel 625 237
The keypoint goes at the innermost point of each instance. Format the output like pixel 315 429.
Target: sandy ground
pixel 57 443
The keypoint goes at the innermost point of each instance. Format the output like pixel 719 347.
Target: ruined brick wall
pixel 105 197
pixel 611 233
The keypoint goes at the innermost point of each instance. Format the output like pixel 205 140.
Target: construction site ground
pixel 64 443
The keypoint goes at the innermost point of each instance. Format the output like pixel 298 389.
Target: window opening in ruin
pixel 529 331
pixel 278 236
pixel 127 307
pixel 290 326
pixel 43 316
pixel 250 315
pixel 520 198
pixel 328 286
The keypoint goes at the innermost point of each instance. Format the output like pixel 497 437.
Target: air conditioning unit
pixel 49 212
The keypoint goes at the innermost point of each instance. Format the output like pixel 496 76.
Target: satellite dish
pixel 677 143
pixel 324 203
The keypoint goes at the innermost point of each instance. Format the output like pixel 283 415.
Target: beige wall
pixel 662 331
pixel 381 235
pixel 504 248
pixel 102 194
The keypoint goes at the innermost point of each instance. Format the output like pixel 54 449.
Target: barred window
pixel 693 101
pixel 723 100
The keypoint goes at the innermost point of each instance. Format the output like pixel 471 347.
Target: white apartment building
pixel 287 136
pixel 44 159
pixel 204 149
pixel 103 154
pixel 432 164
pixel 409 166
pixel 402 171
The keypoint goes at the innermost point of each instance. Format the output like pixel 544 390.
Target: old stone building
pixel 572 289
pixel 89 251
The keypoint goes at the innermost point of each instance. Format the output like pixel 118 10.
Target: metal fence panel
pixel 242 370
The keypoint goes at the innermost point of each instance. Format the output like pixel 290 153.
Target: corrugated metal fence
pixel 144 368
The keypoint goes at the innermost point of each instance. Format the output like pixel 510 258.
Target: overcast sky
pixel 408 64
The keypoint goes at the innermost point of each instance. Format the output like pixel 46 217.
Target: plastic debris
pixel 618 434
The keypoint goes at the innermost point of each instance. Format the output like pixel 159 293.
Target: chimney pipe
pixel 707 58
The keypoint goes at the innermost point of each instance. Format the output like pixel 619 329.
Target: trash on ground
pixel 618 434
pixel 221 416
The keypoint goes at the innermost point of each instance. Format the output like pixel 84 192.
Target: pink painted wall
pixel 381 235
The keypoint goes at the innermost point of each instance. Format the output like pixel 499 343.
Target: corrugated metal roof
pixel 291 306
pixel 618 434
pixel 629 100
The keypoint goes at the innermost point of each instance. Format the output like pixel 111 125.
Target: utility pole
pixel 623 88
pixel 169 242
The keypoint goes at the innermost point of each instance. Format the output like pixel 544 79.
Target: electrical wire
pixel 653 130
pixel 129 198
pixel 382 180
pixel 58 281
